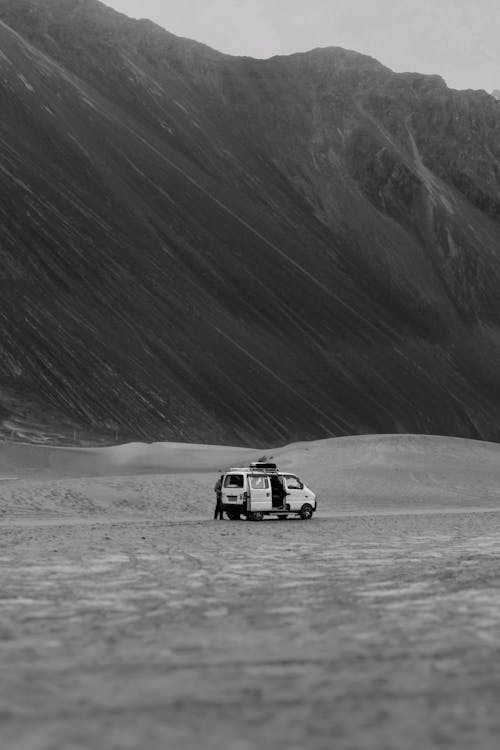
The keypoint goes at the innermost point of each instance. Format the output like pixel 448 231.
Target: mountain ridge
pixel 184 193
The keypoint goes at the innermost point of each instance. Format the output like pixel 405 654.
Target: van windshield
pixel 293 483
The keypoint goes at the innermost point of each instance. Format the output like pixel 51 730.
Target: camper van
pixel 260 490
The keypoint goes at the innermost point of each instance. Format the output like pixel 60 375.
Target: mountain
pixel 207 248
pixel 496 93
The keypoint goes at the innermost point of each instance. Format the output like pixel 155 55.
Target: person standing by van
pixel 218 514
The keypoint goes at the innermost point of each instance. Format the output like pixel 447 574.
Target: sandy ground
pixel 132 620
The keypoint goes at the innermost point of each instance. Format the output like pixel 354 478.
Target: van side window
pixel 293 483
pixel 259 483
pixel 233 480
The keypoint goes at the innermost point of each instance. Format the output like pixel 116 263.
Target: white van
pixel 261 490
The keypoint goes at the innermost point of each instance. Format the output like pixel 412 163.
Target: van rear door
pixel 259 493
pixel 233 488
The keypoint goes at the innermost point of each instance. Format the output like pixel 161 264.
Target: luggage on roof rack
pixel 263 466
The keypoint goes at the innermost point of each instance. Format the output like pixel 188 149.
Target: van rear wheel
pixel 257 515
pixel 233 515
pixel 306 512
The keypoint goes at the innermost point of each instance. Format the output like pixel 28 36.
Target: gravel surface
pixel 375 631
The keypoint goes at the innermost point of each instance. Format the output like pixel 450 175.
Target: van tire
pixel 306 512
pixel 256 515
pixel 233 516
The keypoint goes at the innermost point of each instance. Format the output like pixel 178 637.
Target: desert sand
pixel 130 619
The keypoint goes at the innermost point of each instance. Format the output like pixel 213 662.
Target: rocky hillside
pixel 207 248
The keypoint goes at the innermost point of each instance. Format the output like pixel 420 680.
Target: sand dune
pixel 320 457
pixel 398 470
pixel 23 459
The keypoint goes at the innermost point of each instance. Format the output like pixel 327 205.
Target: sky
pixel 457 39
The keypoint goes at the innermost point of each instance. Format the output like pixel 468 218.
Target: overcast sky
pixel 458 39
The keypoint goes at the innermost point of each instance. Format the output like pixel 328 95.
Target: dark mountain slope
pixel 210 248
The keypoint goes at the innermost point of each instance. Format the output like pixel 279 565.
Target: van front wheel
pixel 306 512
